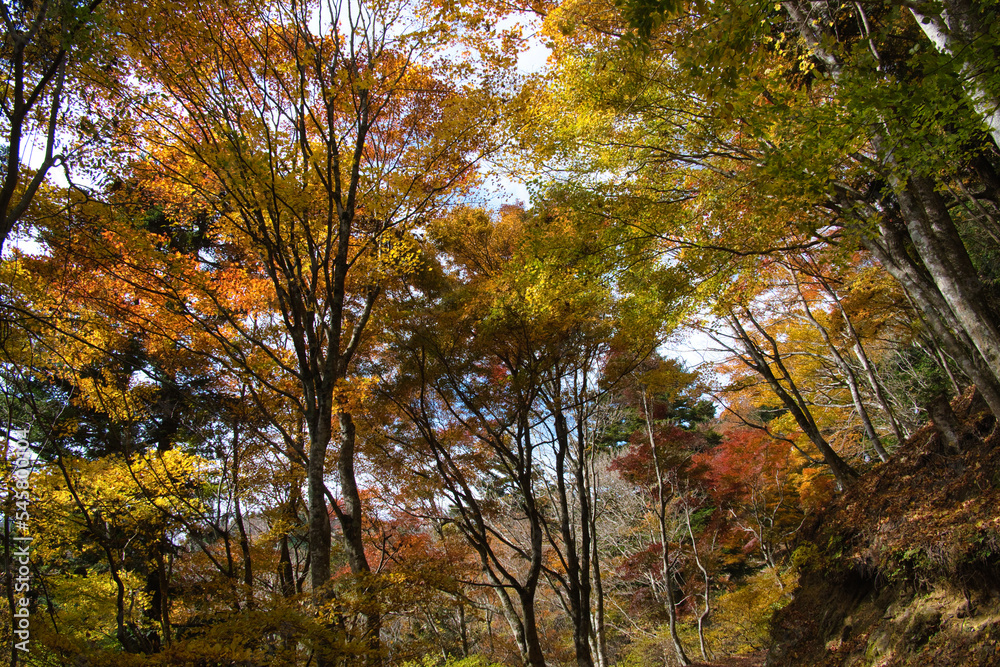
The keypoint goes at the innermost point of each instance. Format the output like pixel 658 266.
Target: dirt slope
pixel 904 569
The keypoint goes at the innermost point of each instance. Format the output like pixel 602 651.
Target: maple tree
pixel 501 396
pixel 667 400
pixel 766 484
pixel 312 152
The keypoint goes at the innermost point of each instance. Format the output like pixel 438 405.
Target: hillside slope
pixel 904 569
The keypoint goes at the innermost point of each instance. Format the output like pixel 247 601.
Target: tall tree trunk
pixel 575 549
pixel 351 525
pixel 319 514
pixel 597 625
pixel 892 254
pixel 932 232
pixel 527 594
pixel 954 31
pixel 790 396
pixel 286 571
pixel 942 251
pixel 514 620
pixel 463 630
pixel 598 628
pixel 240 524
pixel 320 534
pixel 584 656
pixel 163 589
pixel 848 373
pixel 535 657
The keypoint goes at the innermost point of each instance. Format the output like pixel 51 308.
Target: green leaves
pixel 644 17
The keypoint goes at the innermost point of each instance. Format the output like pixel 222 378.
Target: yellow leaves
pixel 351 394
pixel 806 63
pixel 151 477
pixel 178 183
pixel 87 603
pixel 743 615
pixel 540 294
pixel 398 254
pixel 815 487
pixel 13 271
pixel 134 496
pixel 103 391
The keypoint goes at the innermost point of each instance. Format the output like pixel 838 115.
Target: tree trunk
pixel 937 315
pixel 932 232
pixel 849 376
pixel 240 524
pixel 535 657
pixel 463 630
pixel 954 32
pixel 319 515
pixel 791 398
pixel 576 552
pixel 661 517
pixel 514 621
pixel 866 364
pixel 942 251
pixel 351 525
pixel 163 590
pixel 707 590
pixel 527 593
pixel 320 534
pixel 597 625
pixel 945 421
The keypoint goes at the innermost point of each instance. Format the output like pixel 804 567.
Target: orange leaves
pixel 351 394
pixel 745 458
pixel 178 184
pixel 237 290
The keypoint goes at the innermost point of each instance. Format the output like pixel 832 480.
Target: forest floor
pixel 756 660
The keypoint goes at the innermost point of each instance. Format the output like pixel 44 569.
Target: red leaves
pixel 673 449
pixel 744 458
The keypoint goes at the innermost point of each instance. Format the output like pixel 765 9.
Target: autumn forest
pixel 356 332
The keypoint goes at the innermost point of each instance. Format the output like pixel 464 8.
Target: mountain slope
pixel 904 569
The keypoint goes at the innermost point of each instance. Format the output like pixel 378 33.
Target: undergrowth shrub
pixel 741 621
pixel 440 661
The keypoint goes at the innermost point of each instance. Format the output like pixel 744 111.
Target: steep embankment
pixel 905 568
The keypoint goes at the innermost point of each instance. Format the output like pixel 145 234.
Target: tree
pixel 53 54
pixel 666 399
pixel 314 137
pixel 766 359
pixel 957 28
pixel 851 332
pixel 497 376
pixel 765 485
